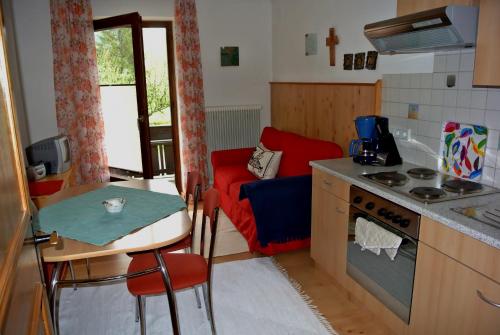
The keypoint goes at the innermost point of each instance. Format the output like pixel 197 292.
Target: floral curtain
pixel 191 102
pixel 76 81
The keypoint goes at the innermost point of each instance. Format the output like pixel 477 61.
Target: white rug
pixel 250 297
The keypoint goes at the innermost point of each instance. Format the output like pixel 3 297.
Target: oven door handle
pixel 486 300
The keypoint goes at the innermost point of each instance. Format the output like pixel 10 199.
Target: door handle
pixel 327 183
pixel 52 238
pixel 140 121
pixel 338 210
pixel 486 300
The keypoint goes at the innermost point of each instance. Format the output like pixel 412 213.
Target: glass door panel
pixel 158 98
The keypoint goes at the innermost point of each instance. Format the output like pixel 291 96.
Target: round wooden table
pixel 150 238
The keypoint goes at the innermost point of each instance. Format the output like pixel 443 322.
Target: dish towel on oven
pixel 372 237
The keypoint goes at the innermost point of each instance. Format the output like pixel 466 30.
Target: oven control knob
pixel 397 219
pixel 404 223
pixel 382 211
pixel 370 205
pixel 357 199
pixel 389 215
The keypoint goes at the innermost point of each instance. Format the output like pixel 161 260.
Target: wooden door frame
pixel 168 25
pixel 134 20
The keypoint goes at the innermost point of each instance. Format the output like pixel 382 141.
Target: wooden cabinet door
pixel 406 7
pixel 21 291
pixel 486 68
pixel 329 232
pixel 445 298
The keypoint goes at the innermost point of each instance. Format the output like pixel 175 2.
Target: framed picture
pixel 371 60
pixel 359 61
pixel 311 44
pixel 229 56
pixel 348 58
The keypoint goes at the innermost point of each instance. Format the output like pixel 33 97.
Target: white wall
pixel 148 9
pixel 242 23
pixel 34 44
pixel 292 19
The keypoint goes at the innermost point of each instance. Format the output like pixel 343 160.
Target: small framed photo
pixel 229 56
pixel 348 60
pixel 371 60
pixel 359 61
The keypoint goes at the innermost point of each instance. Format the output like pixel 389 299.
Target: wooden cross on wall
pixel 331 41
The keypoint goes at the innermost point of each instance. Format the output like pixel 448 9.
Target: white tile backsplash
pixel 464 80
pixel 476 116
pixel 439 63
pixel 425 96
pixel 493 99
pixel 426 80
pixel 438 104
pixel 493 139
pixel 478 99
pixel 437 97
pixel 467 61
pixel 449 114
pixel 492 119
pixel 450 98
pixel 404 81
pixel 463 98
pixel 439 80
pixel 452 62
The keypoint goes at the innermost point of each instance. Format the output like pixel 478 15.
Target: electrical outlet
pixel 402 134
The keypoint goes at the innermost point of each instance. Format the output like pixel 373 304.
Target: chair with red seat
pixel 193 192
pixel 184 270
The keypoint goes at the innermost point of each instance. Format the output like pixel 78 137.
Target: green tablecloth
pixel 84 218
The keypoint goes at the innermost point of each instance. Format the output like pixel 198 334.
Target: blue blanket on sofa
pixel 282 208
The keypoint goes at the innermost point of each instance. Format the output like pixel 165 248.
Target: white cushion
pixel 264 163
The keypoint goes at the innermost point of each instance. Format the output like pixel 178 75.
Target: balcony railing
pixel 162 150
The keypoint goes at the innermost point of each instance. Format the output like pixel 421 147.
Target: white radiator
pixel 231 127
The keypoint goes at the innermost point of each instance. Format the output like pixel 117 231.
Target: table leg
pixel 170 293
pixel 54 296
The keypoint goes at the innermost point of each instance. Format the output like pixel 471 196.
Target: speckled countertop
pixel 349 171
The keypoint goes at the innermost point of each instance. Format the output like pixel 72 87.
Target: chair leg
pixel 136 310
pixel 87 264
pixel 141 306
pixel 72 272
pixel 55 310
pixel 207 295
pixel 196 293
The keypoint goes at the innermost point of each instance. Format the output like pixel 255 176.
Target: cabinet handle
pixel 326 182
pixel 486 300
pixel 339 210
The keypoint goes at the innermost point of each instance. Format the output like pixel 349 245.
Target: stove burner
pixel 428 193
pixel 462 186
pixel 422 173
pixel 391 178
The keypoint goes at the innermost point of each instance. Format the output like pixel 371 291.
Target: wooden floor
pixel 346 315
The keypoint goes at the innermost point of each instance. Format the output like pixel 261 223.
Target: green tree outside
pixel 115 62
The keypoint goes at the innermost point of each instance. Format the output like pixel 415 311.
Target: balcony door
pixel 137 82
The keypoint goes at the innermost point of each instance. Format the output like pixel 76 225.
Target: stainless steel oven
pixel 390 281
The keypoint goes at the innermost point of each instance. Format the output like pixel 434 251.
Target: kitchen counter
pixel 350 172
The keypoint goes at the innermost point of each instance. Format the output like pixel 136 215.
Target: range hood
pixel 444 28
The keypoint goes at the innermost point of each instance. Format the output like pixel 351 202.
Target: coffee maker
pixel 376 145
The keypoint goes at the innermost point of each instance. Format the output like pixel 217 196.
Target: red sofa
pixel 233 181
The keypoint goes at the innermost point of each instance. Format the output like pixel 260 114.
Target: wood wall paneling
pixel 323 110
